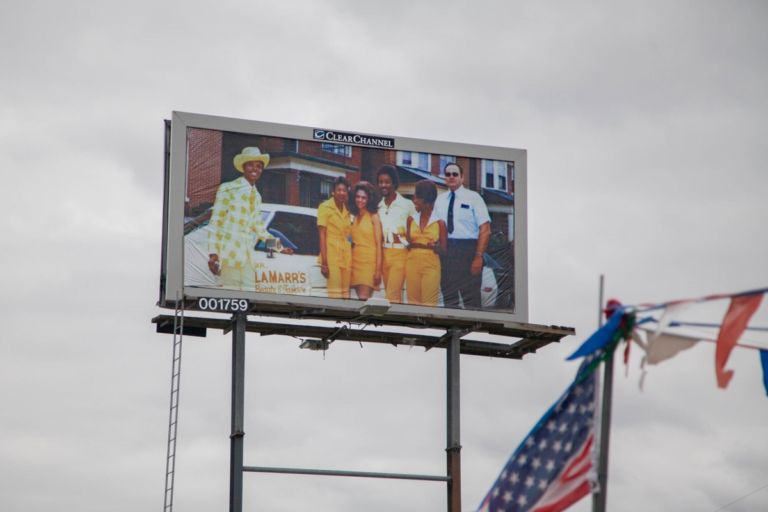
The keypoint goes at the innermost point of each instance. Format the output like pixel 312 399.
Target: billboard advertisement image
pixel 306 217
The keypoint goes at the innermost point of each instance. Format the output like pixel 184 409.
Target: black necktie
pixel 450 212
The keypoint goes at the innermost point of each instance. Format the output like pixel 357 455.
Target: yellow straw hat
pixel 248 155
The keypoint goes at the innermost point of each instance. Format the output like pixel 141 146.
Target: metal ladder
pixel 173 414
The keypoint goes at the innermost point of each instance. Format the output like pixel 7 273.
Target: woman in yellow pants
pixel 427 239
pixel 366 240
pixel 334 226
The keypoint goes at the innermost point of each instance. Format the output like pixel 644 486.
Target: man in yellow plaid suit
pixel 236 224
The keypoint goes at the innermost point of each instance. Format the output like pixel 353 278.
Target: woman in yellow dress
pixel 366 240
pixel 333 225
pixel 427 239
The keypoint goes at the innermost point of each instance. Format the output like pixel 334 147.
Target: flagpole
pixel 599 498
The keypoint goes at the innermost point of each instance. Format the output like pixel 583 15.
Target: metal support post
pixel 600 498
pixel 238 409
pixel 453 449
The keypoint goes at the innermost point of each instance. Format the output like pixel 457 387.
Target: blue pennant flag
pixel 601 337
pixel 764 362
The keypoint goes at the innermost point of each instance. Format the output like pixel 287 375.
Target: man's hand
pixel 286 250
pixel 213 264
pixel 477 265
pixel 324 270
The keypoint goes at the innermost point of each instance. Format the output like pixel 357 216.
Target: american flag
pixel 553 467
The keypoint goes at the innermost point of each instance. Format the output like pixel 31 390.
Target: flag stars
pixel 535 469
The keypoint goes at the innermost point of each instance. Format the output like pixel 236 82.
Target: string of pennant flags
pixel 662 347
pixel 660 344
pixel 644 307
pixel 556 464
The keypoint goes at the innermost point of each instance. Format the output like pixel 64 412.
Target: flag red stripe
pixel 571 485
pixel 567 500
pixel 576 467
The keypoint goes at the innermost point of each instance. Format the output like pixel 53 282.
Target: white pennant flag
pixel 661 347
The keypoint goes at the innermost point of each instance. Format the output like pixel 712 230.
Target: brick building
pixel 301 172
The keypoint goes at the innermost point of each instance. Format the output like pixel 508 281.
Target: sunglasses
pixel 452 174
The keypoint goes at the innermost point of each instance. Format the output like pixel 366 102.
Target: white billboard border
pixel 173 242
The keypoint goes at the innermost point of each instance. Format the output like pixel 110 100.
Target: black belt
pixel 462 241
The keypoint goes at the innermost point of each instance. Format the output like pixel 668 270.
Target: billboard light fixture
pixel 315 344
pixel 375 306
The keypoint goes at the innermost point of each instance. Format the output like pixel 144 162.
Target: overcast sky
pixel 646 127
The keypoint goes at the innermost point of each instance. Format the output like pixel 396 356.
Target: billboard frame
pixel 172 286
pixel 451 341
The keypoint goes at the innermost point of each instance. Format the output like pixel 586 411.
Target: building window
pixel 337 149
pixel 496 173
pixel 413 159
pixel 445 160
pixel 326 187
pixel 314 189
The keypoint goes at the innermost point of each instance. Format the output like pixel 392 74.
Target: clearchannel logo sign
pixel 353 138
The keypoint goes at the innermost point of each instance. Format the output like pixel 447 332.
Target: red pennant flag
pixel 736 319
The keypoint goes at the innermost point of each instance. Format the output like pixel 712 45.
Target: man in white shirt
pixel 394 211
pixel 469 226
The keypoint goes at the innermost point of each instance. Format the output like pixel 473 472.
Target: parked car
pixel 489 288
pixel 296 227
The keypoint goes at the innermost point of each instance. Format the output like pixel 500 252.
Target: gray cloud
pixel 645 128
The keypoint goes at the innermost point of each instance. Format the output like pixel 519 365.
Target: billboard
pixel 291 217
